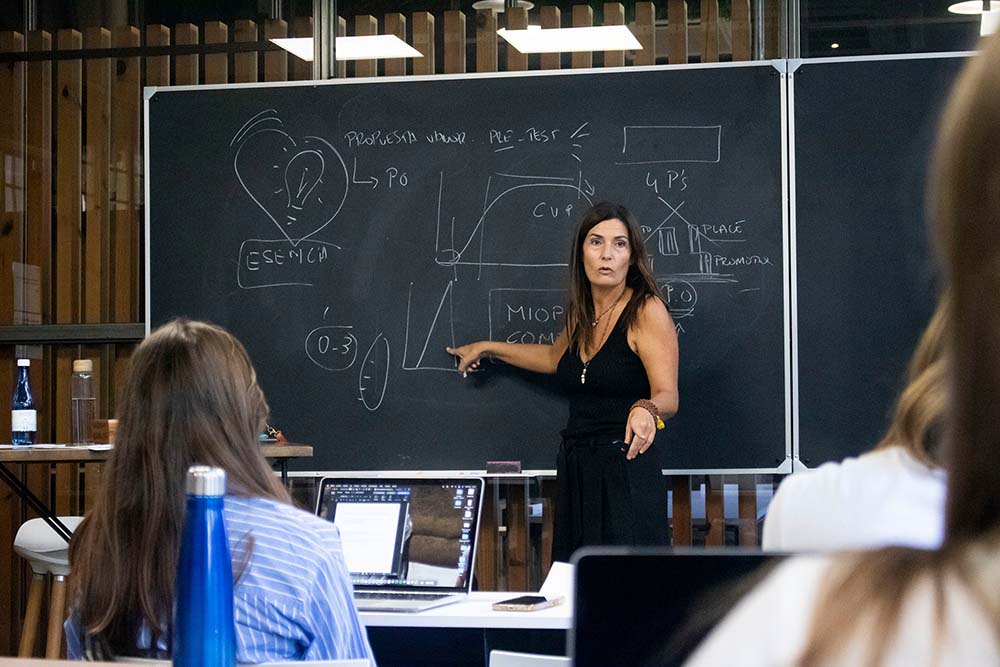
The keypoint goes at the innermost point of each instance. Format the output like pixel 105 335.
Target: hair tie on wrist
pixel 651 408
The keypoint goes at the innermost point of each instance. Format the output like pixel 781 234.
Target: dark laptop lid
pixel 409 533
pixel 653 606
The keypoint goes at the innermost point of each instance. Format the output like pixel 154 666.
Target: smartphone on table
pixel 526 603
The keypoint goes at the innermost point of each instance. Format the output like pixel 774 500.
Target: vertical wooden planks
pixel 517 19
pixel 772 29
pixel 614 14
pixel 645 32
pixel 677 32
pixel 423 41
pixel 583 17
pixel 364 26
pixel 395 24
pixel 715 511
pixel 245 64
pixel 710 31
pixel 486 40
pixel 742 29
pixel 12 241
pixel 12 177
pixel 551 18
pixel 518 538
pixel 157 67
pixel 69 91
pixel 68 261
pixel 186 67
pixel 275 60
pixel 748 511
pixel 38 152
pixel 454 42
pixel 488 551
pixel 216 64
pixel 38 135
pixel 301 69
pixel 341 32
pixel 550 487
pixel 125 163
pixel 97 285
pixel 681 486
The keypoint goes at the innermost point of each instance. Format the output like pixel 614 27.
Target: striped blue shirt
pixel 294 599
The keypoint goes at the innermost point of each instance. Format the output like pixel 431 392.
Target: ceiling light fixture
pixel 500 5
pixel 364 47
pixel 559 40
pixel 835 45
pixel 971 7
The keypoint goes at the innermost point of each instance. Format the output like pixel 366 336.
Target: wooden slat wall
pixel 86 249
pixel 395 24
pixel 583 17
pixel 364 26
pixel 12 240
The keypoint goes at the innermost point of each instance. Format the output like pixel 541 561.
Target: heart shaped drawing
pixel 300 185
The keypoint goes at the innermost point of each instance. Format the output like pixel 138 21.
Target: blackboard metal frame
pixel 780 65
pixel 793 67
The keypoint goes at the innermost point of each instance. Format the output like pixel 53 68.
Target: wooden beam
pixel 583 17
pixel 614 14
pixel 365 26
pixel 645 32
pixel 454 42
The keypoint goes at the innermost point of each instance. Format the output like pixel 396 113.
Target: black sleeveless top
pixel 616 379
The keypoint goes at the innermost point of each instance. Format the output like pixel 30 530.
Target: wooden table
pixel 279 454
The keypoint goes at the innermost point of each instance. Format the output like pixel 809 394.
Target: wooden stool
pixel 47 553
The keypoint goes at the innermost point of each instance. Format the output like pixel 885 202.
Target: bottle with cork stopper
pixel 84 402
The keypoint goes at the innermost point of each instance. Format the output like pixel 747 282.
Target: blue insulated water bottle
pixel 204 634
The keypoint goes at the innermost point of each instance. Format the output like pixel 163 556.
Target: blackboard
pixel 348 231
pixel 863 133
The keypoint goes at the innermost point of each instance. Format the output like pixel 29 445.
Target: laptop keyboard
pixel 368 595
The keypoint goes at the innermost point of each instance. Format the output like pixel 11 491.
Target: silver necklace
pixel 604 332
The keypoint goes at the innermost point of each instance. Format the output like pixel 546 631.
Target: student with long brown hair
pixel 616 359
pixel 899 487
pixel 191 397
pixel 904 606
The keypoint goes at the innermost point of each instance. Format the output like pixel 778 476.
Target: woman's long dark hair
pixel 580 311
pixel 865 594
pixel 191 397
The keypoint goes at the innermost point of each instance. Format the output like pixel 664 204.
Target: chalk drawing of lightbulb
pixel 302 174
pixel 300 183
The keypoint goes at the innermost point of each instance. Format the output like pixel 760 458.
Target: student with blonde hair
pixel 894 494
pixel 901 606
pixel 191 397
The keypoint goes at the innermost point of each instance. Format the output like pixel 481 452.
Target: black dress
pixel 603 498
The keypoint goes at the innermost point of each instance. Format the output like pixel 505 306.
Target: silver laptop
pixel 410 543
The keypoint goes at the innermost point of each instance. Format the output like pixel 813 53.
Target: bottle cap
pixel 206 481
pixel 83 366
pixel 23 362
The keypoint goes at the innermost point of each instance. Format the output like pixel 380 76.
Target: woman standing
pixel 616 359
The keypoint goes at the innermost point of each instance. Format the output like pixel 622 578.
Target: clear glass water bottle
pixel 84 403
pixel 204 632
pixel 23 417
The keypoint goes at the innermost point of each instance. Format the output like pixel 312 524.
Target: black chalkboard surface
pixel 863 135
pixel 347 232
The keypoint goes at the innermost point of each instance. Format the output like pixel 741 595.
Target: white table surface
pixel 476 612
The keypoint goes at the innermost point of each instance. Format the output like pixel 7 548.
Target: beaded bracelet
pixel 651 408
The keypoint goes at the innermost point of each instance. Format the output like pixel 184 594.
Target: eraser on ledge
pixel 497 467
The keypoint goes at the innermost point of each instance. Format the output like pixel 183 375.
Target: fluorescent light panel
pixel 365 47
pixel 972 7
pixel 559 40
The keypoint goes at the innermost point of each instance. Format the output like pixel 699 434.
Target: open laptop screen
pixel 652 606
pixel 409 533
